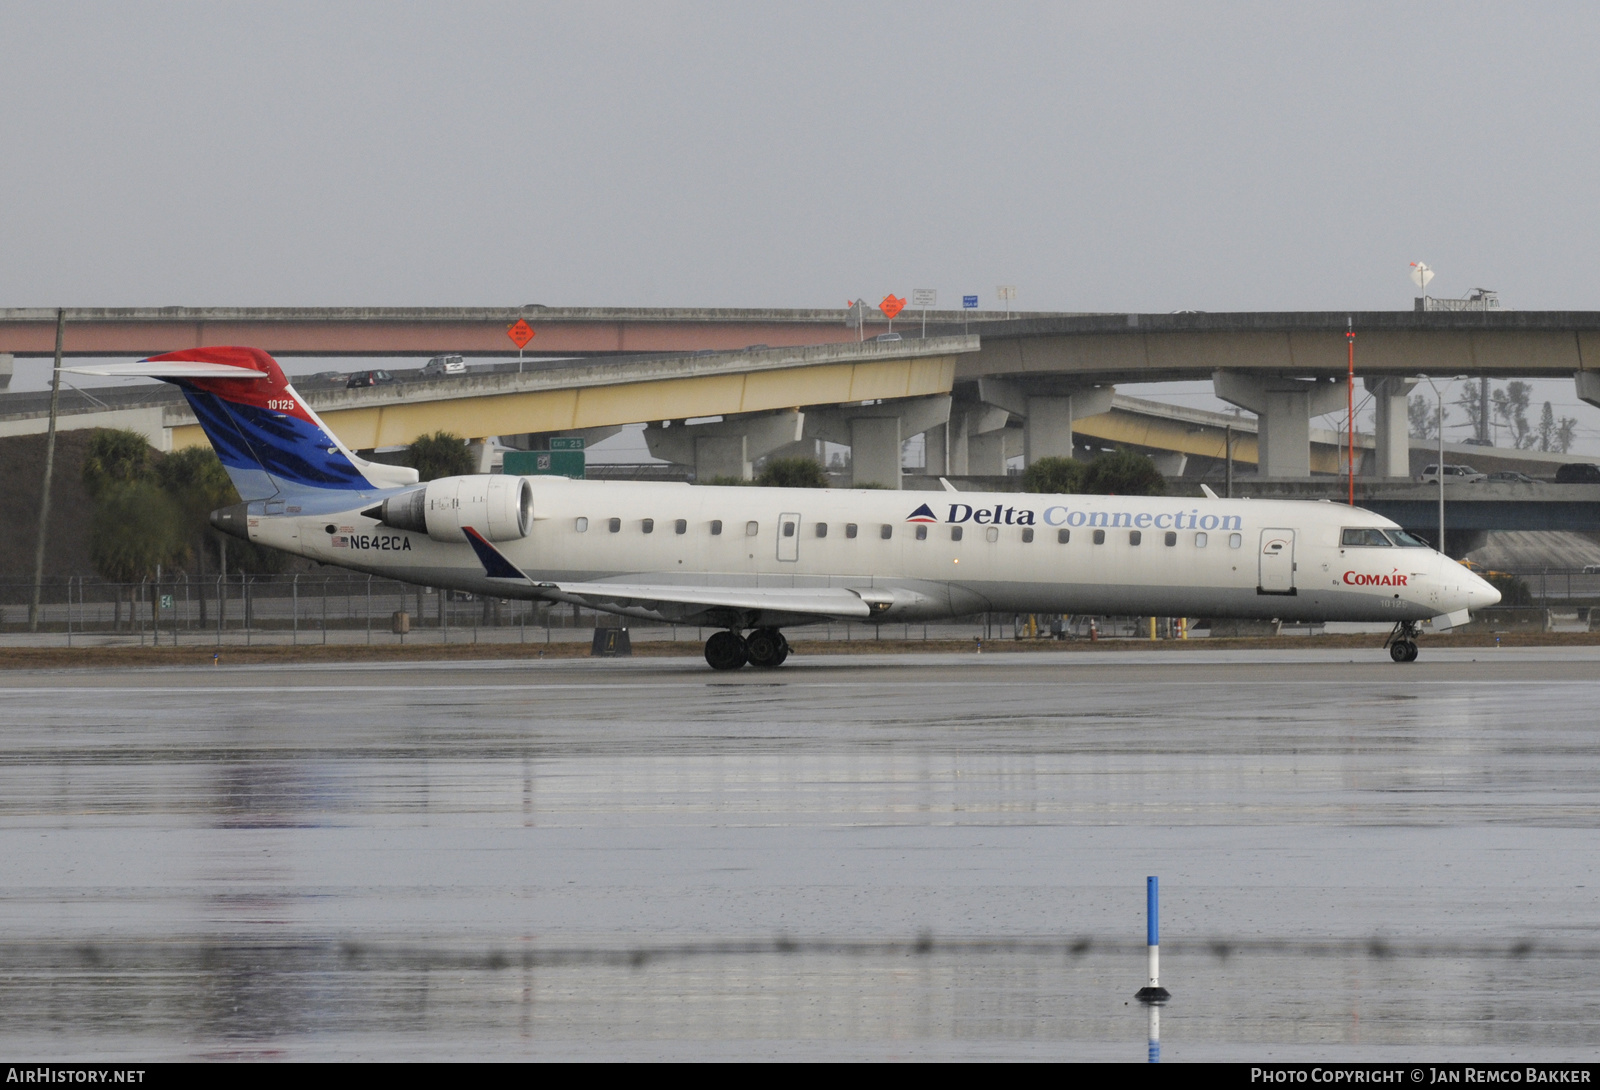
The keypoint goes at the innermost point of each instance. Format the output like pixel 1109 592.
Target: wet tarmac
pixel 896 856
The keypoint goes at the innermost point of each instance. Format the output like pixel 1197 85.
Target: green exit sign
pixel 545 463
pixel 565 442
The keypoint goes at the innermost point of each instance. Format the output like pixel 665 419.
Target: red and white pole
pixel 1350 408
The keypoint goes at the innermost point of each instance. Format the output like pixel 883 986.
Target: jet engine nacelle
pixel 498 507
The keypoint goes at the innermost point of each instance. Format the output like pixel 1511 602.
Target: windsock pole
pixel 1153 992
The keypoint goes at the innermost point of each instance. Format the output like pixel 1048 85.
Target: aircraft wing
pixel 818 602
pixel 681 601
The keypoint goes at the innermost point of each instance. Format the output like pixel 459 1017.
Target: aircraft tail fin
pixel 269 440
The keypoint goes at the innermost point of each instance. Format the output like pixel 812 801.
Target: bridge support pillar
pixel 1284 407
pixel 1393 427
pixel 978 439
pixel 875 451
pixel 1047 409
pixel 987 452
pixel 724 448
pixel 875 433
pixel 8 364
pixel 1588 383
pixel 936 456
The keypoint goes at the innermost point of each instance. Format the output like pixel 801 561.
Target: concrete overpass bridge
pixel 1015 387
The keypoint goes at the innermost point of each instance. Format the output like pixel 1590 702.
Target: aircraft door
pixel 789 536
pixel 1277 562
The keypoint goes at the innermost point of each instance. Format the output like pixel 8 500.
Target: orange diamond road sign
pixel 520 334
pixel 891 306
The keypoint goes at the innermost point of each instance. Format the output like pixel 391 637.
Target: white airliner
pixel 753 561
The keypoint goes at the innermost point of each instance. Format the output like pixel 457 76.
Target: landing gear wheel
pixel 766 647
pixel 1403 651
pixel 1402 642
pixel 726 651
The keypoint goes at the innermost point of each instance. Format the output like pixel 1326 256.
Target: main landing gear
pixel 1402 642
pixel 765 647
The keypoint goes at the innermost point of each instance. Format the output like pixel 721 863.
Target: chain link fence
pixel 246 609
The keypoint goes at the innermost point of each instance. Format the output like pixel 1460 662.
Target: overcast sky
pixel 1147 157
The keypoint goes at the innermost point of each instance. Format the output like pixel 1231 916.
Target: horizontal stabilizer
pixel 167 369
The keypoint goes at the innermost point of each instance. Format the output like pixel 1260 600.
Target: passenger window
pixel 1027 534
pixel 1063 536
pixel 615 526
pixel 1135 537
pixel 681 526
pixel 955 533
pixel 1235 540
pixel 648 526
pixel 822 529
pixel 922 533
pixel 788 529
pixel 1099 537
pixel 716 527
pixel 992 533
pixel 849 529
pixel 1172 538
pixel 888 531
pixel 751 529
pixel 1200 540
pixel 582 525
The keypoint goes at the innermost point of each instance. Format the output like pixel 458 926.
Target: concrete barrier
pixel 1245 628
pixel 1511 620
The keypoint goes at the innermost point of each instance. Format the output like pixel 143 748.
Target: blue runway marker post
pixel 1153 992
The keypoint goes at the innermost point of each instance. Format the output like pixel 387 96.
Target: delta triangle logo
pixel 921 514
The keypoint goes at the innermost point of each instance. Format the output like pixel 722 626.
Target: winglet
pixel 948 487
pixel 495 565
pixel 1210 495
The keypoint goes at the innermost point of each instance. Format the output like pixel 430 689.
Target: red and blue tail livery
pixel 269 440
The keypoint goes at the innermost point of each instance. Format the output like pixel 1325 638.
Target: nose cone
pixel 1480 593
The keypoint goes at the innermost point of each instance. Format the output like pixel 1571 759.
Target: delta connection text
pixel 1058 515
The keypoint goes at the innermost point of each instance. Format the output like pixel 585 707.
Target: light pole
pixel 1439 465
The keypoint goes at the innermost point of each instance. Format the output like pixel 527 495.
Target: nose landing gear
pixel 1402 642
pixel 765 647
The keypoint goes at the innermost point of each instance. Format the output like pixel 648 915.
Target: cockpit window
pixel 1363 538
pixel 1405 540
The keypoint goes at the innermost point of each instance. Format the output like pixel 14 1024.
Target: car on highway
pixel 1578 473
pixel 1453 473
pixel 368 378
pixel 445 365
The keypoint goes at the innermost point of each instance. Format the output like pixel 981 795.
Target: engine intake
pixel 498 507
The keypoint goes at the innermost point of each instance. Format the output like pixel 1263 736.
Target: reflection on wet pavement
pixel 915 856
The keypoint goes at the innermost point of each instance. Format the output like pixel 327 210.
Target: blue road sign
pixel 969 302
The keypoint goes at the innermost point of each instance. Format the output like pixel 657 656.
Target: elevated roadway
pixel 1018 389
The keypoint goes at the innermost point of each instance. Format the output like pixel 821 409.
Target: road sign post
pixel 520 333
pixel 565 458
pixel 856 315
pixel 924 298
pixel 890 307
pixel 1006 293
